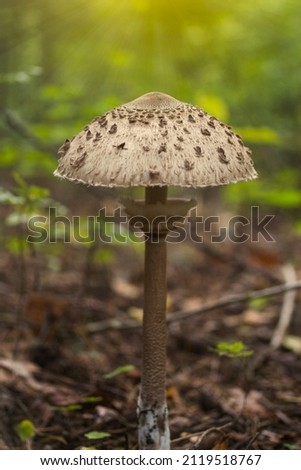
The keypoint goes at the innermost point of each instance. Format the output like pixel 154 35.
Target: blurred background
pixel 63 62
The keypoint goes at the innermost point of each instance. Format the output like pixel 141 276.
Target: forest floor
pixel 70 357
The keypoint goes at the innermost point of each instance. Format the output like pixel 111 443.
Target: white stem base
pixel 153 430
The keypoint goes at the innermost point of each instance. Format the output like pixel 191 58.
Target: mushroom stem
pixel 154 194
pixel 152 409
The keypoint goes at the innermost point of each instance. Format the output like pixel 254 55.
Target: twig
pixel 228 300
pixel 178 316
pixel 287 309
pixel 252 440
pixel 113 324
pixel 202 434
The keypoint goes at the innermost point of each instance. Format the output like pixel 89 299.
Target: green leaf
pixel 71 407
pixel 78 406
pixel 93 435
pixel 9 156
pixel 91 400
pixel 104 255
pixel 291 446
pixel 236 349
pixel 260 303
pixel 16 245
pixel 36 193
pixel 119 370
pixel 26 429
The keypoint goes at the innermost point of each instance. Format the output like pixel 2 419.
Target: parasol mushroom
pixel 155 141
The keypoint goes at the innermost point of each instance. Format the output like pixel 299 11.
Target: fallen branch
pixel 178 316
pixel 233 299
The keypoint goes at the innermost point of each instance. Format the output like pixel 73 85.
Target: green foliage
pixel 30 202
pixel 120 370
pixel 238 60
pixel 71 407
pixel 90 400
pixel 26 161
pixel 104 255
pixel 259 303
pixel 291 446
pixel 260 135
pixel 96 435
pixel 213 104
pixel 16 245
pixel 233 350
pixel 26 430
pixel 283 190
pixel 26 200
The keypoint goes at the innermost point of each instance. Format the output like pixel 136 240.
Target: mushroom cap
pixel 155 140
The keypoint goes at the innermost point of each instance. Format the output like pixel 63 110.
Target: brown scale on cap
pixel 153 127
pixel 222 155
pixel 198 151
pixel 120 146
pixel 103 122
pixel 191 118
pixel 64 148
pixel 113 129
pixel 77 162
pixel 162 148
pixel 188 165
pixel 97 137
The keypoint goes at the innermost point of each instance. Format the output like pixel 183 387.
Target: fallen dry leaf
pixel 21 370
pixel 124 288
pixel 236 401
